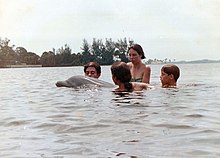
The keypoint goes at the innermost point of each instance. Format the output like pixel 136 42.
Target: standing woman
pixel 139 71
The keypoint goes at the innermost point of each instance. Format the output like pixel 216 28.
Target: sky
pixel 173 29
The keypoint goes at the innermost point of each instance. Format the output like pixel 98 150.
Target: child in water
pixel 169 76
pixel 121 76
pixel 92 69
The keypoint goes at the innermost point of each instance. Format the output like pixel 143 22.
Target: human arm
pixel 139 86
pixel 146 74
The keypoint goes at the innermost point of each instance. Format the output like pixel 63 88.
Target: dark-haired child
pixel 169 76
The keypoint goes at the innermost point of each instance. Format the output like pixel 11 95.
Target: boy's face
pixel 91 72
pixel 164 78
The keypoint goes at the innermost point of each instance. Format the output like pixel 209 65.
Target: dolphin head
pixel 79 81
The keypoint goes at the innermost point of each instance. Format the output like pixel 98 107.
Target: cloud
pixel 166 29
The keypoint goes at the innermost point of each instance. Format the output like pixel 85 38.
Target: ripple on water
pixel 39 119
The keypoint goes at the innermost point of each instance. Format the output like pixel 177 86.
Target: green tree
pixel 76 59
pixel 22 53
pixel 32 58
pixel 7 53
pixel 48 59
pixel 97 49
pixel 86 55
pixel 63 56
pixel 107 55
pixel 122 47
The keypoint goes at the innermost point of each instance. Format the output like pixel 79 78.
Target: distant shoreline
pixel 204 61
pixel 199 61
pixel 22 66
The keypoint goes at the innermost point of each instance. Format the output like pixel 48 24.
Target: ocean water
pixel 38 119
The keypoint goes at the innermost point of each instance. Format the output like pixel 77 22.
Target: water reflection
pixel 39 119
pixel 129 98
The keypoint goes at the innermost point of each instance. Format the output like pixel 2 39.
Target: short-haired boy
pixel 169 75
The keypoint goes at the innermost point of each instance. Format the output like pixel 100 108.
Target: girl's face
pixel 133 55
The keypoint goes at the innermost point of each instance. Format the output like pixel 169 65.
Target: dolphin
pixel 78 81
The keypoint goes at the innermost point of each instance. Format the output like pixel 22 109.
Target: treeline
pixel 105 53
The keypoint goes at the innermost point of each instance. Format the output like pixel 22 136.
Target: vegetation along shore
pixel 105 53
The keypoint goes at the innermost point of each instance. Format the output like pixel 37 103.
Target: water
pixel 39 119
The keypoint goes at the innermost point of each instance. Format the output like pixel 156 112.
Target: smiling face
pixel 91 72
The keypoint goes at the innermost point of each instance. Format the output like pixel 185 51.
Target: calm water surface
pixel 39 119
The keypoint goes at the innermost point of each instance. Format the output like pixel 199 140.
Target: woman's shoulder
pixel 146 67
pixel 129 64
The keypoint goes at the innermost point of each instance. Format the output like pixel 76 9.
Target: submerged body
pixel 121 76
pixel 78 81
pixel 169 75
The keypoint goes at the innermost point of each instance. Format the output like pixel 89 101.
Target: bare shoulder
pixel 129 64
pixel 147 67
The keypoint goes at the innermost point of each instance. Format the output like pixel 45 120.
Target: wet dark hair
pixel 122 72
pixel 138 49
pixel 93 64
pixel 171 69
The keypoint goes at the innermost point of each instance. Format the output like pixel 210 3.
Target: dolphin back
pixel 79 81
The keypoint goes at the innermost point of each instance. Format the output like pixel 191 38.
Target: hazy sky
pixel 173 29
